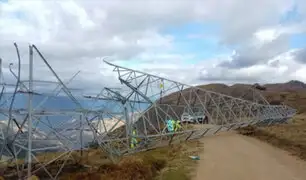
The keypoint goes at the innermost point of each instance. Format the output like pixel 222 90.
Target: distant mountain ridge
pixel 293 85
pixel 292 93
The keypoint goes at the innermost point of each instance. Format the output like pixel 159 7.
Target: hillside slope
pixel 292 93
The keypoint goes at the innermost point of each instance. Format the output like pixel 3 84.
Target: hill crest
pixel 293 85
pixel 292 93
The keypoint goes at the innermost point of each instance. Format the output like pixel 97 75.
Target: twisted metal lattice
pixel 40 139
pixel 154 100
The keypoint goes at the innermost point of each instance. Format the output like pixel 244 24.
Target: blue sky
pixel 200 39
pixel 293 16
pixel 298 40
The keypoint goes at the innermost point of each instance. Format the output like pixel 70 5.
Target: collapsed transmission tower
pixel 163 99
pixel 42 139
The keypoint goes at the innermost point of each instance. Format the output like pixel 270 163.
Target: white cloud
pixel 75 35
pixel 300 73
pixel 278 69
pixel 266 35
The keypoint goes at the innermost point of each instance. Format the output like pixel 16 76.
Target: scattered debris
pixel 195 157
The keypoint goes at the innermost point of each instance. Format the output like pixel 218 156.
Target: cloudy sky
pixel 192 41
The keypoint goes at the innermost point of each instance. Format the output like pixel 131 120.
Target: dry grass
pixel 131 167
pixel 166 163
pixel 290 137
pixel 180 166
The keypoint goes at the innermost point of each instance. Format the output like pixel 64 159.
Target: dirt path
pixel 235 157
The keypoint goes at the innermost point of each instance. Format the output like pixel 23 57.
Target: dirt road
pixel 235 157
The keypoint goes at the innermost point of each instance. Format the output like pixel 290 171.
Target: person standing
pixel 133 139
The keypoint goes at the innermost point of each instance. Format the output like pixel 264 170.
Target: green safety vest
pixel 177 125
pixel 133 140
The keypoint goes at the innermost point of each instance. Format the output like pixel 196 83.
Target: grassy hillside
pixel 290 137
pixel 292 93
pixel 295 99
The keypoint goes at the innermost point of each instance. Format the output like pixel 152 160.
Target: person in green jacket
pixel 133 139
pixel 177 126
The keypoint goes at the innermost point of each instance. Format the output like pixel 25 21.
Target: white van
pixel 187 118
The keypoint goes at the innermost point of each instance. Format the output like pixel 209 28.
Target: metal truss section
pixel 43 125
pixel 209 112
pixel 151 88
pixel 46 128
